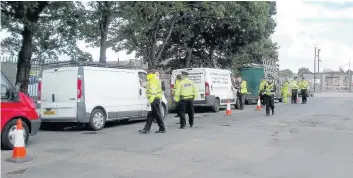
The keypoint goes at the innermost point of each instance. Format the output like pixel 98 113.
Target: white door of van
pixel 49 90
pixel 198 77
pixel 66 96
pixel 145 107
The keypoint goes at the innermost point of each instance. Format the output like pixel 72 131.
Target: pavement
pixel 314 140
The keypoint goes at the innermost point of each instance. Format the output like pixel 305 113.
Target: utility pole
pixel 314 69
pixel 350 76
pixel 318 61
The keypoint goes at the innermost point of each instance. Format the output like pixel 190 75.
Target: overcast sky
pixel 300 27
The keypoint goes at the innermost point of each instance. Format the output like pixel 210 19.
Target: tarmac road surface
pixel 301 141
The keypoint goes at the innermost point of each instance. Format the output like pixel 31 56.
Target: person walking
pixel 261 90
pixel 285 89
pixel 185 93
pixel 154 94
pixel 243 92
pixel 269 92
pixel 304 90
pixel 294 86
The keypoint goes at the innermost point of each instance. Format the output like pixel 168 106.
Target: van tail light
pixel 39 94
pixel 79 88
pixel 207 89
pixel 171 88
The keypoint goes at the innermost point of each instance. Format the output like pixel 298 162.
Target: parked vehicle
pixel 93 95
pixel 214 86
pixel 16 105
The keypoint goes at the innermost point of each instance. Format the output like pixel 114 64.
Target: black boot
pixel 143 131
pixel 160 131
pixel 268 114
pixel 273 112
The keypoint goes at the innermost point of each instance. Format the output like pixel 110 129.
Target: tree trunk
pixel 104 25
pixel 210 60
pixel 152 54
pixel 188 57
pixel 24 59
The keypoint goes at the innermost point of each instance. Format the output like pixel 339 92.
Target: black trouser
pixel 155 113
pixel 241 100
pixel 186 105
pixel 270 104
pixel 294 95
pixel 177 108
pixel 304 95
pixel 262 99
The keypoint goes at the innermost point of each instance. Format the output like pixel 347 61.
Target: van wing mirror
pixel 17 87
pixel 163 86
pixel 5 92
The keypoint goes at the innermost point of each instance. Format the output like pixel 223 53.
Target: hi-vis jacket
pixel 304 84
pixel 177 82
pixel 185 90
pixel 262 85
pixel 243 87
pixel 294 84
pixel 153 88
pixel 269 89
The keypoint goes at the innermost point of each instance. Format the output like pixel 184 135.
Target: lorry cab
pixel 16 105
pixel 214 86
pixel 93 95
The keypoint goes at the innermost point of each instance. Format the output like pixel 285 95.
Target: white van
pixel 214 86
pixel 93 95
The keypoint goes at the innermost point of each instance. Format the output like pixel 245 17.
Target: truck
pixel 252 74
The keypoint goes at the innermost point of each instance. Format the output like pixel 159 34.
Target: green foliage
pixel 302 71
pixel 287 73
pixel 54 33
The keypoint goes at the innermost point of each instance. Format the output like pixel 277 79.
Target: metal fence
pixel 330 82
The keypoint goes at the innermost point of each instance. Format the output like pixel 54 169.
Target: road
pixel 313 140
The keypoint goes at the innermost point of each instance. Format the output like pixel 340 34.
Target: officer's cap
pixel 295 77
pixel 178 76
pixel 303 77
pixel 151 71
pixel 184 73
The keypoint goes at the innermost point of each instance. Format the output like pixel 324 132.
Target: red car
pixel 16 105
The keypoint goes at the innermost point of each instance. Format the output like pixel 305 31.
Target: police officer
pixel 294 86
pixel 185 93
pixel 261 90
pixel 154 94
pixel 285 89
pixel 304 89
pixel 243 92
pixel 269 91
pixel 177 82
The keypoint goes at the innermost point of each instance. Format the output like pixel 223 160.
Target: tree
pixel 101 23
pixel 341 70
pixel 146 27
pixel 45 29
pixel 287 73
pixel 302 71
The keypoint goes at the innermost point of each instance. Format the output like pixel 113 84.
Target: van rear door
pixel 66 97
pixel 48 92
pixel 198 77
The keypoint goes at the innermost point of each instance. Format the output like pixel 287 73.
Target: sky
pixel 301 25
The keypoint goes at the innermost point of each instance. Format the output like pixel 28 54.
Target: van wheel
pixel 163 111
pixel 280 100
pixel 98 119
pixel 216 105
pixel 8 134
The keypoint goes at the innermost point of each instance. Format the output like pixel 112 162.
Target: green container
pixel 252 76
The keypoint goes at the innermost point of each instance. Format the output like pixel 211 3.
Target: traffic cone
pixel 297 98
pixel 229 110
pixel 258 106
pixel 19 150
